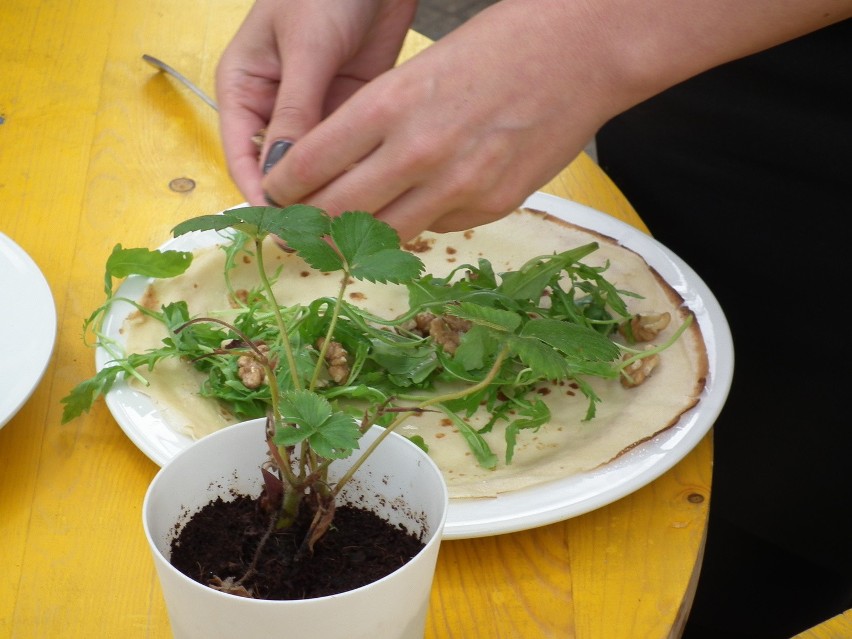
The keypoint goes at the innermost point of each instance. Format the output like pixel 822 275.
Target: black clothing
pixel 745 172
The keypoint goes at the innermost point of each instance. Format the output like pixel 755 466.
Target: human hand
pixel 456 137
pixel 291 63
pixel 462 133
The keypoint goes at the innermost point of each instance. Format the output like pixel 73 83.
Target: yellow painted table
pixel 95 149
pixel 838 627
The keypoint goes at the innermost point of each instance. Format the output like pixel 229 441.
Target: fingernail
pixel 276 152
pixel 270 201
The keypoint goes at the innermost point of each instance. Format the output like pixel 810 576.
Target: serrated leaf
pixel 370 247
pixel 388 266
pixel 337 437
pixel 573 340
pixel 206 223
pixel 305 408
pixel 538 356
pixel 309 416
pixel 258 221
pixel 493 318
pixel 316 251
pixel 297 219
pixel 357 233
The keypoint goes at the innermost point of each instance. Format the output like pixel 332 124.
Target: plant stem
pixel 279 320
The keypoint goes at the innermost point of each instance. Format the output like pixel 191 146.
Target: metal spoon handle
pixel 186 81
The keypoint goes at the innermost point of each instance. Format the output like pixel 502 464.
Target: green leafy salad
pixel 471 340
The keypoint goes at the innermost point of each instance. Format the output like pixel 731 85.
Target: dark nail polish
pixel 276 152
pixel 270 201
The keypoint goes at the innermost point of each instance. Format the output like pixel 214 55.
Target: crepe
pixel 564 446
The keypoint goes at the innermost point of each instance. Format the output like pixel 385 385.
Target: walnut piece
pixel 640 370
pixel 446 330
pixel 337 361
pixel 643 327
pixel 250 371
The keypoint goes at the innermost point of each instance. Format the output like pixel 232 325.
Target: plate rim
pixel 41 326
pixel 551 501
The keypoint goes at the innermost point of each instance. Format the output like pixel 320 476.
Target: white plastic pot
pixel 394 607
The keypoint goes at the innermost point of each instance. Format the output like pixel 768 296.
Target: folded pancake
pixel 566 445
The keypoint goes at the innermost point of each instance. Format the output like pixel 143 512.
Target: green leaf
pixel 82 397
pixel 493 318
pixel 392 266
pixel 528 281
pixel 309 416
pixel 541 358
pixel 370 247
pixel 305 229
pixel 475 442
pixel 534 414
pixel 297 220
pixel 206 223
pixel 573 340
pixel 141 261
pixel 414 364
pixel 258 221
pixel 474 347
pixel 357 233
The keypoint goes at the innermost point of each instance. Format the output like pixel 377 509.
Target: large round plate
pixel 27 324
pixel 538 505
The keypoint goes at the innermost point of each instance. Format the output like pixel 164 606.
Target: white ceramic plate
pixel 538 505
pixel 27 324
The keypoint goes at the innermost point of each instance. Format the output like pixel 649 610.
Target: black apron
pixel 745 172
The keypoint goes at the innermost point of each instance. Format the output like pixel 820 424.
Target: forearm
pixel 629 50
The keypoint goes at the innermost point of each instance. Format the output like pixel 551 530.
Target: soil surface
pixel 219 542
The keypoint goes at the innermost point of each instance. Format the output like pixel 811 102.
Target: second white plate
pixel 27 324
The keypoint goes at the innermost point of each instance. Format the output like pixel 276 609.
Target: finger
pixel 420 210
pixel 237 130
pixel 316 168
pixel 303 88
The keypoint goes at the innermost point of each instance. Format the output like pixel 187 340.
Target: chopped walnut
pixel 446 330
pixel 336 360
pixel 419 325
pixel 640 370
pixel 250 370
pixel 643 327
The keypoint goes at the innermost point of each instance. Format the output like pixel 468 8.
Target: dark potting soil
pixel 219 542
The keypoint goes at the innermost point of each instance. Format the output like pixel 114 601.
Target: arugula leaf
pixel 141 261
pixel 529 280
pixel 476 442
pixel 533 415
